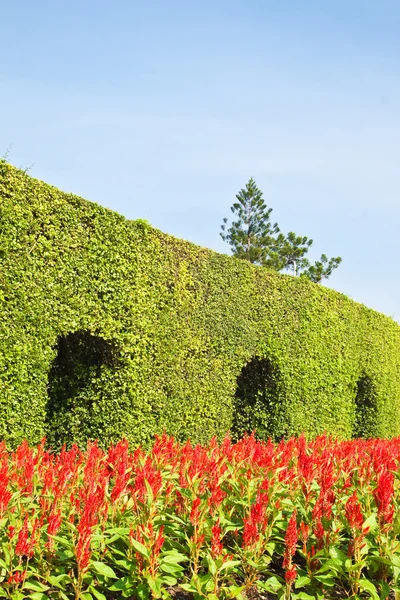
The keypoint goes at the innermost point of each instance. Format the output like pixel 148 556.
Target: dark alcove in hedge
pixel 72 385
pixel 257 405
pixel 366 409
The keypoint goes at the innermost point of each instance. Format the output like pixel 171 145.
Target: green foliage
pixel 289 251
pixel 252 238
pixel 160 330
pixel 321 269
pixel 251 235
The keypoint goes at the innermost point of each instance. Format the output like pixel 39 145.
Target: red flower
pixel 319 533
pixel 16 577
pixel 89 518
pixel 5 494
pixel 158 542
pixel 290 575
pixel 23 546
pixel 383 497
pixel 353 512
pixel 304 531
pixel 291 537
pixel 194 513
pixel 250 532
pixel 290 547
pixel 216 544
pixel 53 525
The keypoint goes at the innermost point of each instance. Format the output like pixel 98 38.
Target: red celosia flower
pixel 153 477
pixel 216 544
pixel 256 522
pixel 89 518
pixel 383 497
pixel 53 525
pixel 250 532
pixel 353 512
pixel 290 575
pixel 304 531
pixel 194 514
pixel 23 546
pixel 158 542
pixel 217 495
pixel 16 577
pixel 5 493
pixel 290 541
pixel 319 533
pixel 179 503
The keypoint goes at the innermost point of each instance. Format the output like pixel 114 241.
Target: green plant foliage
pixel 159 333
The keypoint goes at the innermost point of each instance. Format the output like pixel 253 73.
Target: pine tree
pixel 322 269
pixel 289 253
pixel 251 235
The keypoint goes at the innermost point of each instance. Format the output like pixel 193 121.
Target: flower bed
pixel 294 520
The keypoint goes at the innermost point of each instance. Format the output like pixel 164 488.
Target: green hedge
pixel 110 328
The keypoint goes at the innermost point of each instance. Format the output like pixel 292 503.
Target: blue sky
pixel 163 110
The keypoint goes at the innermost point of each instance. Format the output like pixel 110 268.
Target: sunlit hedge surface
pixel 110 328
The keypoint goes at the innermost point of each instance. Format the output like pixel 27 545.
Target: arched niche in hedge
pixel 257 404
pixel 76 386
pixel 366 408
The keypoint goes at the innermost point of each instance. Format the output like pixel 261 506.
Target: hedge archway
pixel 258 403
pixel 74 386
pixel 366 409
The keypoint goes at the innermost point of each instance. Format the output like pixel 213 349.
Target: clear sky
pixel 163 110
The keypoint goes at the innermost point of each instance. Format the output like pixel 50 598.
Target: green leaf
pixel 212 567
pixel 229 564
pixel 368 586
pixel 302 581
pixel 169 581
pixel 57 581
pixel 385 590
pixel 35 585
pixel 125 583
pixel 371 523
pixel 61 541
pixel 155 586
pixel 272 584
pixel 188 587
pixel 103 569
pixel 337 554
pixel 121 531
pixel 143 591
pixel 96 593
pixel 140 548
pixel 171 569
pixel 173 557
pixel 327 580
pixel 235 591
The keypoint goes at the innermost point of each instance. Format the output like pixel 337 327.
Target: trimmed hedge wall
pixel 110 328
